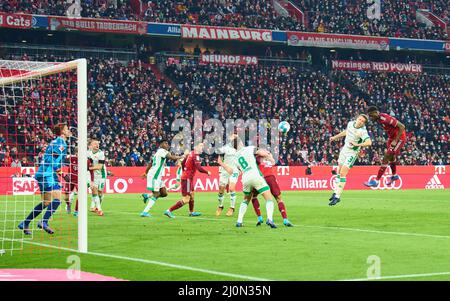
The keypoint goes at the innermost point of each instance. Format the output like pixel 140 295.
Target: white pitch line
pixel 378 231
pixel 322 227
pixel 400 276
pixel 165 264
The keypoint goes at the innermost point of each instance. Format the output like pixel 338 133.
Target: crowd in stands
pixel 130 109
pixel 319 104
pixel 397 18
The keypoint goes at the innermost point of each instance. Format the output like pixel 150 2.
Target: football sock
pixel 340 186
pixel 393 166
pixel 220 199
pixel 101 198
pixel 242 210
pixel 93 201
pixel 51 209
pixel 338 177
pixel 97 202
pixel 34 213
pixel 72 196
pixel 269 209
pixel 381 172
pixel 282 209
pixel 177 205
pixel 191 205
pixel 151 201
pixel 232 199
pixel 256 206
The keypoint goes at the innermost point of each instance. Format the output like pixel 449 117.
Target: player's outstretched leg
pixel 220 207
pixel 339 187
pixel 24 225
pixel 394 176
pixel 283 212
pixel 51 209
pixel 269 208
pixel 257 209
pixel 374 182
pixel 191 208
pixel 176 206
pixel 149 200
pixel 242 210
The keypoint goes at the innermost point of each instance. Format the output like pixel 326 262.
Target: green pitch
pixel 409 231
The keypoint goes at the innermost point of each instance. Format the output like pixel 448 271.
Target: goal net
pixel 35 99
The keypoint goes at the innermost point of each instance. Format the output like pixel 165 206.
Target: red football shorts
pixel 395 150
pixel 187 186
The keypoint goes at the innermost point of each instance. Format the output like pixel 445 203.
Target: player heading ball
pixel 356 137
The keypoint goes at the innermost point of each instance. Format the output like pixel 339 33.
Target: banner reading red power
pixel 97 25
pixel 16 20
pixel 225 33
pixel 127 179
pixel 375 66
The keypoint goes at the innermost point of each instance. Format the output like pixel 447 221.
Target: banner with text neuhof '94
pixel 223 59
pixel 225 33
pixel 375 66
pixel 337 40
pixel 97 25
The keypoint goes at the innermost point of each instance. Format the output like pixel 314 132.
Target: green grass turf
pixel 327 243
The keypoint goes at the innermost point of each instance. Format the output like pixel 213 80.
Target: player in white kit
pixel 98 175
pixel 154 174
pixel 356 137
pixel 229 158
pixel 252 179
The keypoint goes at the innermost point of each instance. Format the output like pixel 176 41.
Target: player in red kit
pixel 71 185
pixel 396 140
pixel 266 166
pixel 190 165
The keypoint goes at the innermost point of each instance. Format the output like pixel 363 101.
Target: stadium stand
pixel 131 108
pixel 334 16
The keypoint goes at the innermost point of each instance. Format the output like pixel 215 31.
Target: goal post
pixel 27 88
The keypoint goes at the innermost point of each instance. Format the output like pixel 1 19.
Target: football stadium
pixel 224 140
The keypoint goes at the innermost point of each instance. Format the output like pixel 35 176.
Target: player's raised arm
pixel 338 136
pixel 227 168
pixel 149 166
pixel 401 129
pixel 174 157
pixel 367 142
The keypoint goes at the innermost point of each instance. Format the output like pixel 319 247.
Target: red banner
pixel 375 66
pixel 16 20
pixel 337 40
pixel 223 59
pixel 225 33
pixel 128 180
pixel 97 25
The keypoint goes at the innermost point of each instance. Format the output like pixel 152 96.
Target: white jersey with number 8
pixel 252 177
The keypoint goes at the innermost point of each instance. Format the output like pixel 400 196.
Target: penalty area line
pixel 160 263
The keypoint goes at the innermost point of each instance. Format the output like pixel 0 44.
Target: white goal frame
pixel 80 65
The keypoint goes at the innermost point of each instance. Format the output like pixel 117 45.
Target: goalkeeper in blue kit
pixel 48 180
